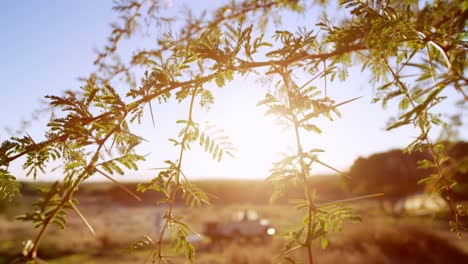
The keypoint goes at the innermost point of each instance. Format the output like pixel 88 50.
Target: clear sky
pixel 47 45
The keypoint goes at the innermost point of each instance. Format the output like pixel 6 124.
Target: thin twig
pixel 349 200
pixel 304 174
pixel 91 229
pixel 119 184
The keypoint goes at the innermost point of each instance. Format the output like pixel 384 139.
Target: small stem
pixel 430 145
pixel 431 67
pixel 173 194
pixel 304 174
pixel 349 200
pixel 311 207
pixel 447 187
pixel 325 76
pixel 88 225
pixel 166 223
pixel 120 185
pixel 184 140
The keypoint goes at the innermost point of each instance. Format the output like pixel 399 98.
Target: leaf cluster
pixel 9 187
pixel 45 208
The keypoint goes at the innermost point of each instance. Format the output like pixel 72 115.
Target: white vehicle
pixel 422 205
pixel 245 226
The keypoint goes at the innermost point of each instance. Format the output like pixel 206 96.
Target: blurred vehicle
pixel 245 225
pixel 422 205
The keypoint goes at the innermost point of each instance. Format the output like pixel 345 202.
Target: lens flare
pixel 271 231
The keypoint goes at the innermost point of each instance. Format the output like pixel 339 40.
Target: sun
pixel 257 139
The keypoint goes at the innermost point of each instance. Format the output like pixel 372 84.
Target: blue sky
pixel 47 45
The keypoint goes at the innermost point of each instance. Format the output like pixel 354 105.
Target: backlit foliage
pixel 415 54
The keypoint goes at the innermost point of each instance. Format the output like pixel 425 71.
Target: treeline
pixel 394 173
pixel 220 191
pixel 397 174
pixel 226 192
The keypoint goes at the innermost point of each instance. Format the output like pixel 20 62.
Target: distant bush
pixel 391 172
pixel 396 173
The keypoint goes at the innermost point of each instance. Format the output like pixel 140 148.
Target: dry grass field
pixel 378 239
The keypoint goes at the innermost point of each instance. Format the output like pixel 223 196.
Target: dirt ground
pixel 378 239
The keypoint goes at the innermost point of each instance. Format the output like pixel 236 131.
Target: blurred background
pixel 406 225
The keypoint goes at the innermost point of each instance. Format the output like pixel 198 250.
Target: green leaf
pixel 313 128
pixel 427 180
pixel 220 80
pixel 316 150
pixel 398 124
pixel 174 141
pixel 324 242
pixel 268 99
pixel 144 243
pixel 193 195
pixel 404 103
pixel 425 164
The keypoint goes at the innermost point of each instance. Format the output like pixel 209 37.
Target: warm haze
pixel 91 89
pixel 47 47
